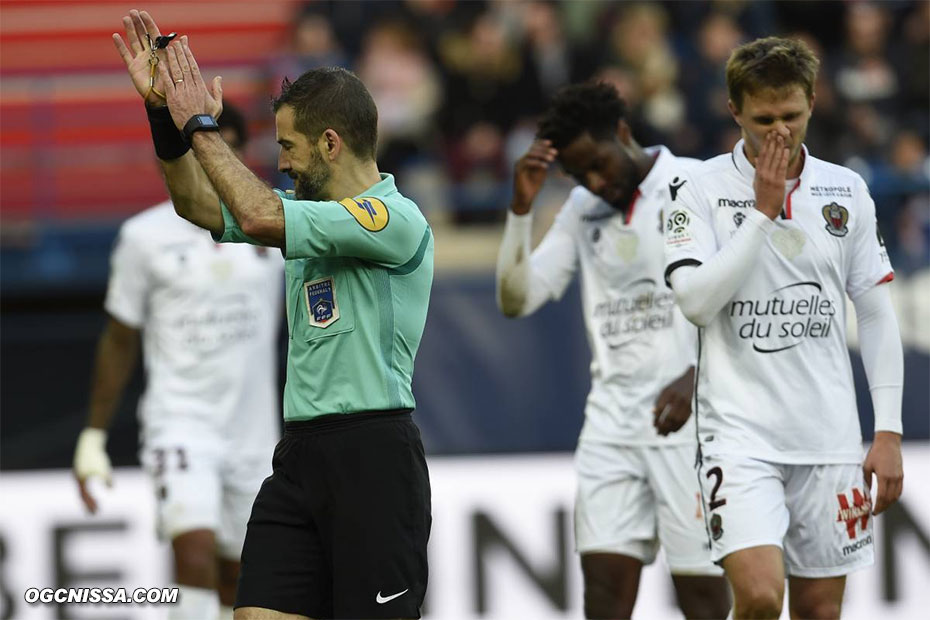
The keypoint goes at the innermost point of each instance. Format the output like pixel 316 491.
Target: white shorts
pixel 819 515
pixel 199 485
pixel 632 498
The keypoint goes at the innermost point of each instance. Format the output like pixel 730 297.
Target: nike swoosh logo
pixel 381 600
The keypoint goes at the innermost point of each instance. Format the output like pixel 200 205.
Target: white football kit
pixel 775 410
pixel 635 487
pixel 210 315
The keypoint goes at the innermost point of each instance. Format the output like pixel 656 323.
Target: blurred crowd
pixel 459 84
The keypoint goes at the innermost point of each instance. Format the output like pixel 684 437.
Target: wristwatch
pixel 199 122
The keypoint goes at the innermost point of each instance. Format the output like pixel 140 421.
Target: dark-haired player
pixel 635 455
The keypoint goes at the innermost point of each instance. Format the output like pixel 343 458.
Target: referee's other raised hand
pixel 136 53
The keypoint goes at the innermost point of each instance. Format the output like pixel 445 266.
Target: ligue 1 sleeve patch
pixel 678 228
pixel 371 213
pixel 322 309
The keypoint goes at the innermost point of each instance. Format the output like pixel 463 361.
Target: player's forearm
pixel 257 209
pixel 702 291
pixel 882 356
pixel 192 194
pixel 516 295
pixel 117 355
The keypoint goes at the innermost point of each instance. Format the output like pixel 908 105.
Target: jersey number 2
pixel 715 503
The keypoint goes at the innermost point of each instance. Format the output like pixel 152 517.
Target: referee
pixel 340 528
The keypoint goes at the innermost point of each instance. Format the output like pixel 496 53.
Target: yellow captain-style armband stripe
pixel 370 212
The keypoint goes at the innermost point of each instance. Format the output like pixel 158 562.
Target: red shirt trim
pixel 788 201
pixel 628 217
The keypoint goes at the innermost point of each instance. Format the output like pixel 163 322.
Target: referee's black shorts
pixel 339 529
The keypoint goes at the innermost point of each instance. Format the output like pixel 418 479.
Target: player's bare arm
pixel 117 354
pixel 529 175
pixel 884 460
pixel 673 406
pixel 187 183
pixel 257 209
pixel 769 180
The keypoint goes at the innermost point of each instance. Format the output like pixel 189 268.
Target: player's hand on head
pixel 136 54
pixel 771 169
pixel 91 461
pixel 884 461
pixel 186 91
pixel 673 407
pixel 530 173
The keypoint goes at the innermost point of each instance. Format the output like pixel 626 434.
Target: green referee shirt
pixel 359 272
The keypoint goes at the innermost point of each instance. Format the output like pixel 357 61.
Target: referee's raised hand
pixel 185 89
pixel 137 55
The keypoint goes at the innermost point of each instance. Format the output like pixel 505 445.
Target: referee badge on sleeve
pixel 370 213
pixel 322 309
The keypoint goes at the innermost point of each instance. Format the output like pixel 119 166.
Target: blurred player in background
pixel 208 316
pixel 763 245
pixel 635 455
pixel 340 528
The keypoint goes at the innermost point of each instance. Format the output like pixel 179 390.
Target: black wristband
pixel 198 122
pixel 169 143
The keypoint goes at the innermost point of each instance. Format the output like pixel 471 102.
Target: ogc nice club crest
pixel 836 217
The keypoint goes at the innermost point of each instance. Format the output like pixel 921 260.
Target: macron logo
pixel 381 600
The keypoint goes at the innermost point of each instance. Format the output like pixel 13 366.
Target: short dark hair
pixel 589 107
pixel 772 62
pixel 332 97
pixel 231 118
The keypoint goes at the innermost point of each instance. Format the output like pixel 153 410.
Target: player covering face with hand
pixel 635 455
pixel 763 246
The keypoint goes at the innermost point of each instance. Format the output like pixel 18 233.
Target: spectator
pixel 488 89
pixel 406 90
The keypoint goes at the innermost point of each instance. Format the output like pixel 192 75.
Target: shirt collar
pixel 383 188
pixel 657 178
pixel 741 162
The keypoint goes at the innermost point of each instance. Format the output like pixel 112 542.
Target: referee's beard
pixel 309 183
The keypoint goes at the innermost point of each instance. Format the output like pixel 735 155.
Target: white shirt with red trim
pixel 640 342
pixel 774 375
pixel 209 315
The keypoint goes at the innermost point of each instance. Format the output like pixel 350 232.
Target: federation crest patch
pixel 371 213
pixel 322 308
pixel 836 217
pixel 716 527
